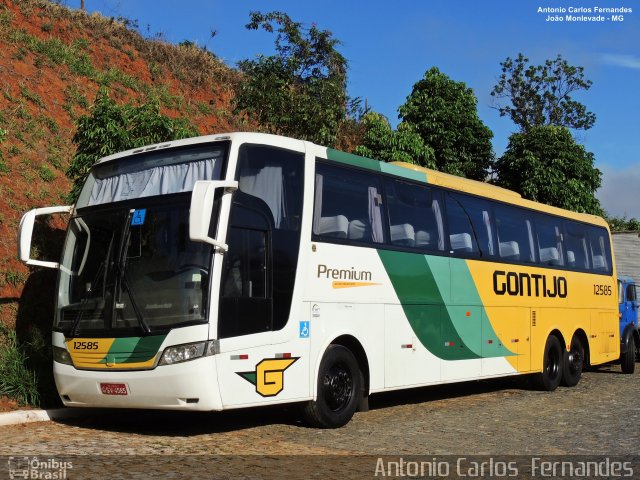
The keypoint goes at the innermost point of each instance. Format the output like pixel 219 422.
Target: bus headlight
pixel 61 355
pixel 182 353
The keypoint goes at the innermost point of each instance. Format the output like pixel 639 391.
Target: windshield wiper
pixel 122 275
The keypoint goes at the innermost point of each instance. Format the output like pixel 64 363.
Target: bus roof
pixel 402 169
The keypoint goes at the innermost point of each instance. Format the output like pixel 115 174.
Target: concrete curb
pixel 30 416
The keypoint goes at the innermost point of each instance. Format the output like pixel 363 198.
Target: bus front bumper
pixel 191 385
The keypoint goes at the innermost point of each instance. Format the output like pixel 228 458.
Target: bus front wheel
pixel 340 388
pixel 552 361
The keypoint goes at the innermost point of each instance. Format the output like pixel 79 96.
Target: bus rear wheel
pixel 340 388
pixel 552 361
pixel 573 363
pixel 628 359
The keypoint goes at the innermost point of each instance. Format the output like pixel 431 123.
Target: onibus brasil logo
pixel 268 376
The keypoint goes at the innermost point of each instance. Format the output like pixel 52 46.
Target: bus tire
pixel 549 379
pixel 340 388
pixel 573 363
pixel 628 358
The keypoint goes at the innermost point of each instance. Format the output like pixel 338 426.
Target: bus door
pixel 246 298
pixel 261 352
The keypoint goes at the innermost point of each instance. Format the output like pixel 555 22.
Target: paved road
pixel 502 417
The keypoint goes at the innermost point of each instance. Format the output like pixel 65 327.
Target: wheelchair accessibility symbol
pixel 304 329
pixel 138 217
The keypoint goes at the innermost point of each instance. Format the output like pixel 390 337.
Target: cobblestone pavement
pixel 600 416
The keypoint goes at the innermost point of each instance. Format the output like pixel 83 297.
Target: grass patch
pixel 17 380
pixel 57 52
pixel 14 278
pixel 113 76
pixel 51 124
pixel 32 97
pixel 73 95
pixel 46 174
pixel 13 151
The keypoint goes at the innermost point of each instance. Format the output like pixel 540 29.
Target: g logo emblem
pixel 268 376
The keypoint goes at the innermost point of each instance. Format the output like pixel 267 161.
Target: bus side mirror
pixel 25 234
pixel 202 199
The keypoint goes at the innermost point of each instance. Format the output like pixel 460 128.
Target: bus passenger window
pixel 515 236
pixel 274 176
pixel 600 250
pixel 414 216
pixel 478 213
pixel 460 230
pixel 348 205
pixel 576 244
pixel 549 233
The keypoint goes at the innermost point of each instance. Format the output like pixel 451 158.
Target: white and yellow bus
pixel 245 269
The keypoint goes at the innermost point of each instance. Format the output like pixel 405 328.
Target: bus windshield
pixel 129 266
pixel 132 269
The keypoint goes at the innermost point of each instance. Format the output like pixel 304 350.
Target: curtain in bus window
pixel 438 216
pixel 375 217
pixel 317 208
pixel 265 183
pixel 487 224
pixel 531 245
pixel 161 180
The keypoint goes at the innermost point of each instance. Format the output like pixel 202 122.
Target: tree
pixel 110 128
pixel 547 165
pixel 444 113
pixel 540 94
pixel 381 142
pixel 300 91
pixel 623 224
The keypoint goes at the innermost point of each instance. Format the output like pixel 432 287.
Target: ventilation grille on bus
pixel 533 318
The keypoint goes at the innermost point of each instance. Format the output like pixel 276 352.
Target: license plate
pixel 114 389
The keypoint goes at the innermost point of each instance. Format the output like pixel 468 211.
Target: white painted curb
pixel 30 416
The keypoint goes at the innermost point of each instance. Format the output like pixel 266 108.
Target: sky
pixel 391 44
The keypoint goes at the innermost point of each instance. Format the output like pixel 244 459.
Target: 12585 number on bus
pixel 85 345
pixel 602 289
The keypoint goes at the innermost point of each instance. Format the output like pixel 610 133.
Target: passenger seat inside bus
pixel 599 263
pixel 403 235
pixel 336 227
pixel 423 238
pixel 510 250
pixel 461 242
pixel 359 230
pixel 550 256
